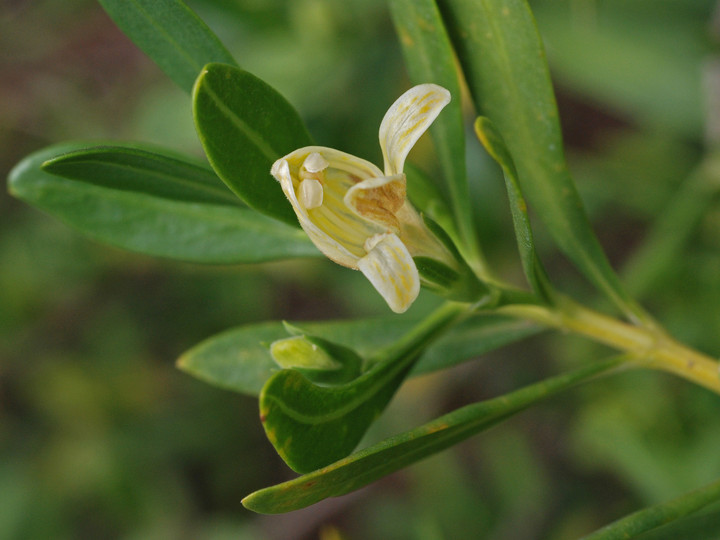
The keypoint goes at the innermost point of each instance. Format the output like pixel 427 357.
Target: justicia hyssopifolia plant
pixel 322 384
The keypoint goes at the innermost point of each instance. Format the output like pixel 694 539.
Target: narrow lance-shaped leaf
pixel 245 125
pixel 429 58
pixel 504 62
pixel 495 146
pixel 664 242
pixel 171 35
pixel 239 359
pixel 151 202
pixel 311 426
pixel 652 517
pixel 392 454
pixel 149 171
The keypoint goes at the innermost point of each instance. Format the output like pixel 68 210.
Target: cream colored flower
pixel 358 215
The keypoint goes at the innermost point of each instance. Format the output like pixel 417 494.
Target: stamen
pixel 315 163
pixel 311 193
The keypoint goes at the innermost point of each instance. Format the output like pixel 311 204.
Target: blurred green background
pixel 100 435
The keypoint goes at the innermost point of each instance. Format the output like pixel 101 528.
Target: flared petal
pixel 378 200
pixel 406 120
pixel 392 271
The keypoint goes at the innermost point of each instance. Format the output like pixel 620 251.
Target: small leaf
pixel 319 360
pixel 311 426
pixel 151 203
pixel 495 146
pixel 245 126
pixel 237 360
pixel 430 59
pixel 652 517
pixel 171 35
pixel 504 62
pixel 402 450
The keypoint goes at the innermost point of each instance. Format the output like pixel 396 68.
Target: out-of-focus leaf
pixel 239 359
pixel 619 58
pixel 429 58
pixel 495 146
pixel 127 198
pixel 501 53
pixel 404 449
pixel 245 125
pixel 171 34
pixel 668 235
pixel 312 426
pixel 652 517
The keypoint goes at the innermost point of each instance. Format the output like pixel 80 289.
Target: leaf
pixel 245 126
pixel 426 197
pixel 668 236
pixel 624 64
pixel 504 62
pixel 132 168
pixel 311 426
pixel 152 203
pixel 495 146
pixel 237 360
pixel 429 58
pixel 652 517
pixel 404 449
pixel 319 360
pixel 171 35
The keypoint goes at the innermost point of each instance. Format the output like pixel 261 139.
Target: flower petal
pixel 331 248
pixel 378 200
pixel 406 120
pixel 392 271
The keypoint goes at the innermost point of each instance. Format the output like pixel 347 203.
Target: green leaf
pixel 666 239
pixel 504 62
pixel 320 360
pixel 429 58
pixel 426 197
pixel 132 168
pixel 152 203
pixel 495 146
pixel 404 449
pixel 311 426
pixel 237 360
pixel 171 34
pixel 623 62
pixel 245 126
pixel 652 517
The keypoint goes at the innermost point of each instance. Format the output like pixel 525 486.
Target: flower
pixel 358 215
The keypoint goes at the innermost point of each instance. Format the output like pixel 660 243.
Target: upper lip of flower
pixel 354 212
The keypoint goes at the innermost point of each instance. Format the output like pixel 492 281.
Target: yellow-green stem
pixel 650 346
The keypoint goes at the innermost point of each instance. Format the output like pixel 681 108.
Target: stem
pixel 650 346
pixel 423 333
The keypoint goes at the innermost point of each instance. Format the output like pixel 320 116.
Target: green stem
pixel 650 346
pixel 423 333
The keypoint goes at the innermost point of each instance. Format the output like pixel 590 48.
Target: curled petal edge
pixel 406 120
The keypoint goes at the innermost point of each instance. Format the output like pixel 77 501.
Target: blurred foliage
pixel 101 437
